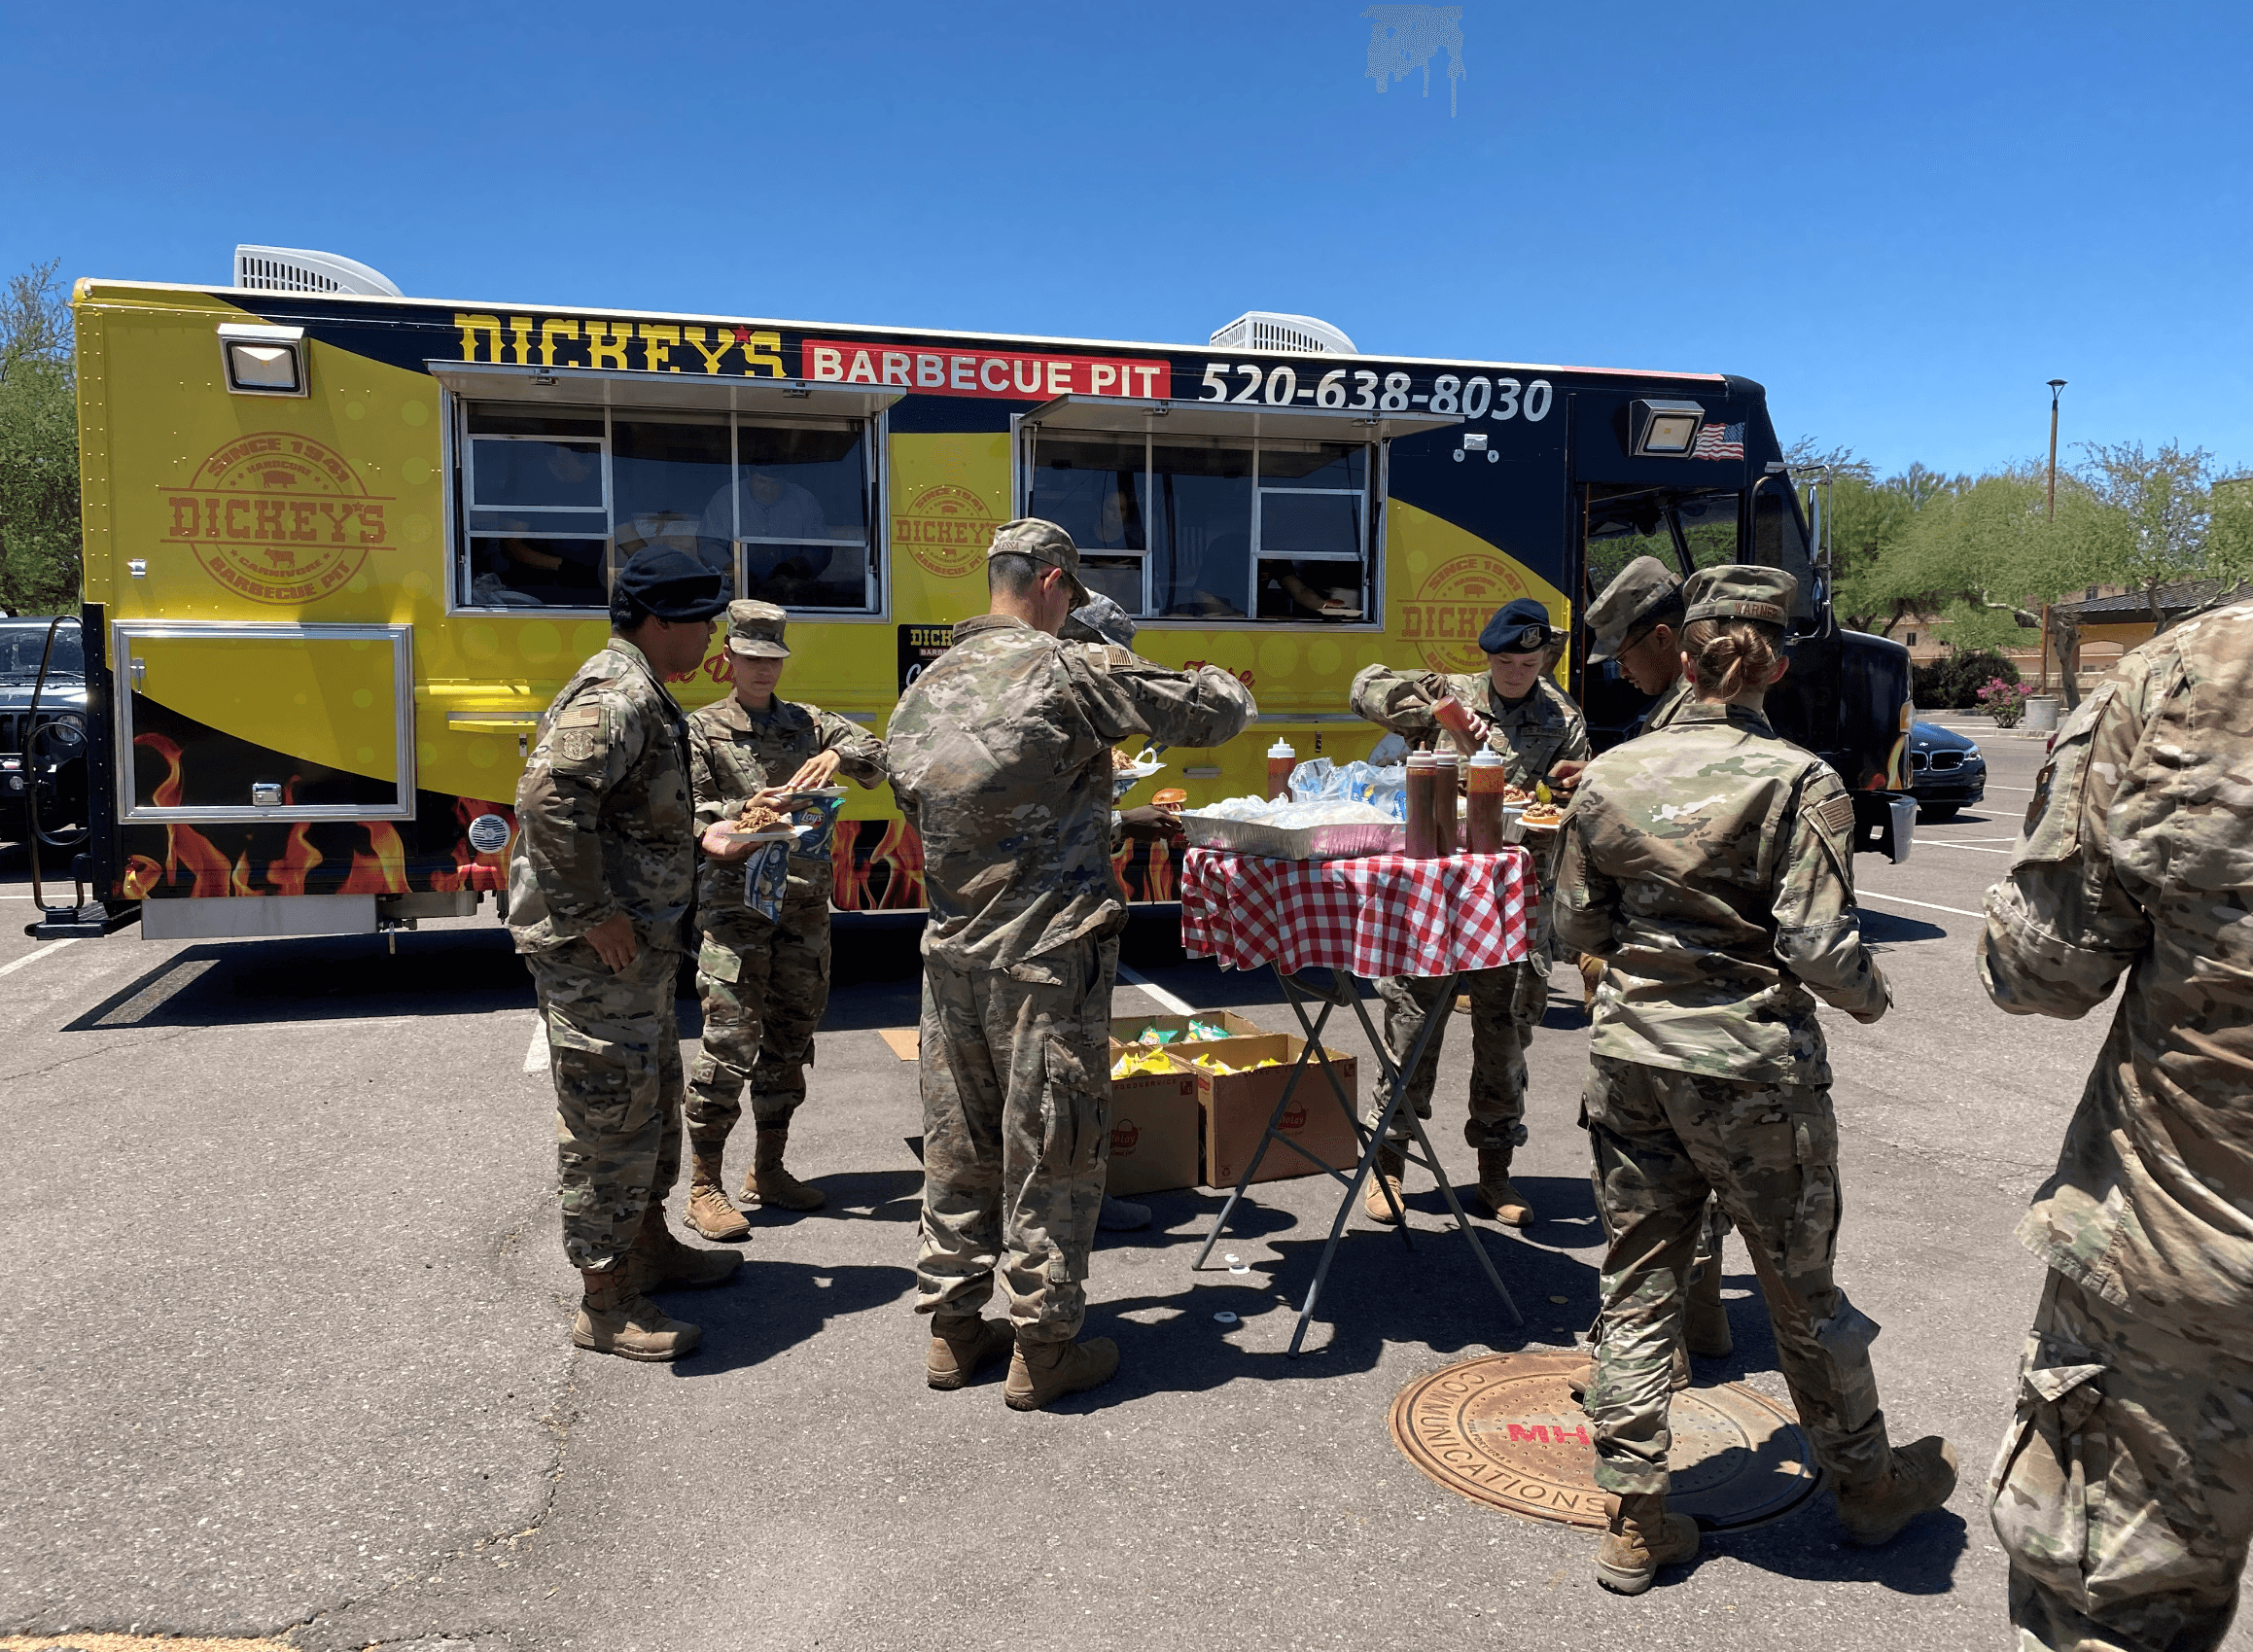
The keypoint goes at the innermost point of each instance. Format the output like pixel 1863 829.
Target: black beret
pixel 671 585
pixel 1519 628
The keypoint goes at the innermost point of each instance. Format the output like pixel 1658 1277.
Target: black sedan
pixel 1945 772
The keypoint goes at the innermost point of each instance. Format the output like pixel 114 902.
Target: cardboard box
pixel 1126 1030
pixel 1237 1105
pixel 1155 1132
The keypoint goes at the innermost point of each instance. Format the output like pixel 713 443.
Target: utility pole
pixel 2055 385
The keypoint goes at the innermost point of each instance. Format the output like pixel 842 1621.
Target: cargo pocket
pixel 718 963
pixel 2055 1458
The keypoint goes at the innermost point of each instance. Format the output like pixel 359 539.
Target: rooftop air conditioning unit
pixel 1271 330
pixel 294 270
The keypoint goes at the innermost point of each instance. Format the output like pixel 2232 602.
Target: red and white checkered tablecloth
pixel 1381 915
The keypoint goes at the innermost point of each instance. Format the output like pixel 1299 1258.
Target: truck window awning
pixel 1135 413
pixel 590 387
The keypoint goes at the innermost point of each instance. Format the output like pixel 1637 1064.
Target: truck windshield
pixel 21 646
pixel 1690 530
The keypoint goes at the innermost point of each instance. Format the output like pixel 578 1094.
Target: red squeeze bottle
pixel 1451 714
pixel 1422 782
pixel 1281 761
pixel 1489 776
pixel 1444 815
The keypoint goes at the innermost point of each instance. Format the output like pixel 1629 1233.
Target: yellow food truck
pixel 342 548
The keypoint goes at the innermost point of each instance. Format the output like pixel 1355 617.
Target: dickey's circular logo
pixel 1452 606
pixel 277 518
pixel 946 529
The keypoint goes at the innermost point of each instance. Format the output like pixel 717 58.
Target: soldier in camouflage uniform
pixel 1637 621
pixel 1541 736
pixel 1001 759
pixel 764 967
pixel 1710 864
pixel 2123 1494
pixel 597 888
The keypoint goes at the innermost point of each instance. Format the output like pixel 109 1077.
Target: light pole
pixel 2055 385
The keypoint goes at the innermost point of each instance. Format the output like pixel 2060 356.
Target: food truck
pixel 344 547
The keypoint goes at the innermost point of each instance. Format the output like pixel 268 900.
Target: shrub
pixel 1953 683
pixel 2006 702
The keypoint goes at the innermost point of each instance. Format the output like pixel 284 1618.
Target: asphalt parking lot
pixel 285 1349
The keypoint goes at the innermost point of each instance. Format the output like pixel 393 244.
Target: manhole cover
pixel 1505 1430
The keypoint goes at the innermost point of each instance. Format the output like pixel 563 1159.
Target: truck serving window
pixel 554 500
pixel 1200 527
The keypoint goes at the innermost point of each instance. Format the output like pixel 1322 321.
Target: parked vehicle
pixel 1946 771
pixel 42 755
pixel 352 542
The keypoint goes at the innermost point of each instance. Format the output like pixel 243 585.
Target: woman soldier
pixel 1710 866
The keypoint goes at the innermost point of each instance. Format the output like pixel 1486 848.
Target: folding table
pixel 1372 916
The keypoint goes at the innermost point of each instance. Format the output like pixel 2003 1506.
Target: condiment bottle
pixel 1453 716
pixel 1489 776
pixel 1423 782
pixel 1281 761
pixel 1445 816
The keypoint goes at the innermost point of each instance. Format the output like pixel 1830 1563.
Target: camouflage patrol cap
pixel 1643 591
pixel 754 629
pixel 1740 591
pixel 1098 620
pixel 1043 543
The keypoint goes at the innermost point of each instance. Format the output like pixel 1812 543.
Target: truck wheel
pixel 1935 813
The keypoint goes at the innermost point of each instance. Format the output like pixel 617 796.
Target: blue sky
pixel 1902 219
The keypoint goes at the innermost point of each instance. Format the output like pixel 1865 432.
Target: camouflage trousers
pixel 2124 1490
pixel 1504 1006
pixel 765 984
pixel 1016 1135
pixel 615 1052
pixel 1768 1153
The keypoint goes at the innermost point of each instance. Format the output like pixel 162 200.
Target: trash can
pixel 2041 714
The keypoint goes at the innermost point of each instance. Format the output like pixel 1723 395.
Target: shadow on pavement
pixel 1809 1544
pixel 770 1306
pixel 1882 929
pixel 323 979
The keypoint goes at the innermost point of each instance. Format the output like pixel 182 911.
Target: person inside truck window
pixel 1191 596
pixel 518 571
pixel 763 509
pixel 1320 589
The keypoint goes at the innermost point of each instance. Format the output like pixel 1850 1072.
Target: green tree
pixel 38 499
pixel 2152 524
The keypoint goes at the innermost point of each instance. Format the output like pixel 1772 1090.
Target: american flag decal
pixel 1719 441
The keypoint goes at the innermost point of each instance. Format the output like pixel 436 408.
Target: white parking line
pixel 1167 1001
pixel 1904 901
pixel 536 1052
pixel 1943 843
pixel 35 957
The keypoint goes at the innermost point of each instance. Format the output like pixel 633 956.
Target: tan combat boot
pixel 1385 1172
pixel 657 1261
pixel 1916 1478
pixel 962 1344
pixel 1705 1322
pixel 1641 1538
pixel 617 1319
pixel 1044 1371
pixel 1506 1201
pixel 709 1211
pixel 769 1183
pixel 1592 969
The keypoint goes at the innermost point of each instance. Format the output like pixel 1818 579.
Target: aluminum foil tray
pixel 1297 843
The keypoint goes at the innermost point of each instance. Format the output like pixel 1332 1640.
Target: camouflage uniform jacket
pixel 1543 730
pixel 1668 708
pixel 1001 759
pixel 603 812
pixel 734 752
pixel 1710 866
pixel 2137 857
